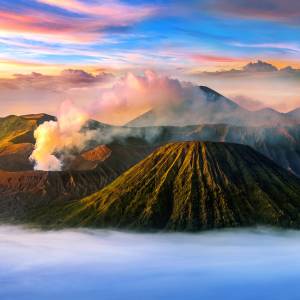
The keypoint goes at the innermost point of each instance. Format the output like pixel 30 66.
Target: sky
pixel 182 39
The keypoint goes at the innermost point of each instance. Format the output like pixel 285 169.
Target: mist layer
pixel 96 264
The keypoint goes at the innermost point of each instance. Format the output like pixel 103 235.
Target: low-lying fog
pixel 97 264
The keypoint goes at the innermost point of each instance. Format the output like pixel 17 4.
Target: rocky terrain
pixel 25 193
pixel 188 186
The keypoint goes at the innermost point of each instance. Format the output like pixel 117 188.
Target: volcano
pixel 189 186
pixel 210 107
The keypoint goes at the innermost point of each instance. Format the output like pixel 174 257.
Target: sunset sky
pixel 177 38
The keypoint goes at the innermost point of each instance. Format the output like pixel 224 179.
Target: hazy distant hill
pixel 212 108
pixel 188 186
pixel 128 145
pixel 294 114
pixel 281 144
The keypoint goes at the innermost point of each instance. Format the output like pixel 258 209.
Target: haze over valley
pixel 149 149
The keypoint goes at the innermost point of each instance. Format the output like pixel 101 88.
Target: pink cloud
pixel 113 10
pixel 69 78
pixel 41 24
pixel 95 21
pixel 213 58
pixel 248 102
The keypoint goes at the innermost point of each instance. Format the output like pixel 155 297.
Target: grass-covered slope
pixel 189 186
pixel 17 140
pixel 19 129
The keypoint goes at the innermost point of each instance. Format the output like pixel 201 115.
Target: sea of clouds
pixel 96 264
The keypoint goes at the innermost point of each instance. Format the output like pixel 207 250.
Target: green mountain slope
pixel 17 140
pixel 23 191
pixel 189 186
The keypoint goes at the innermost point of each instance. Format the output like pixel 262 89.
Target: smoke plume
pixel 54 136
pixel 133 95
pixel 128 95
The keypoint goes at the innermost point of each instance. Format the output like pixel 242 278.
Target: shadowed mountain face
pixel 22 191
pixel 131 144
pixel 21 187
pixel 281 144
pixel 17 143
pixel 294 114
pixel 189 186
pixel 210 107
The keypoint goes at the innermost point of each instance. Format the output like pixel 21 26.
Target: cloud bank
pixel 68 78
pixel 257 85
pixel 92 264
pixel 34 93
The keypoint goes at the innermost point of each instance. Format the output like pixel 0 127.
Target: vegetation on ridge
pixel 189 186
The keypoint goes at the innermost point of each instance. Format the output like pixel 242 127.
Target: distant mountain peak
pixel 208 107
pixel 208 90
pixel 268 110
pixel 213 96
pixel 260 66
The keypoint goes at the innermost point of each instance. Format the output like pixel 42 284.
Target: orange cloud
pixel 213 58
pixel 8 67
pixel 282 63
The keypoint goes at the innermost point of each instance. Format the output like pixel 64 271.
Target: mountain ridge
pixel 189 186
pixel 280 143
pixel 214 109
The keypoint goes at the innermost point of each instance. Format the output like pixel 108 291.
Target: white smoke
pixel 124 99
pixel 46 142
pixel 54 136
